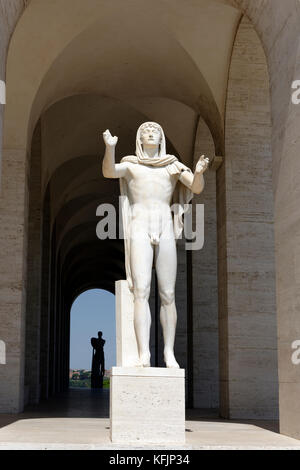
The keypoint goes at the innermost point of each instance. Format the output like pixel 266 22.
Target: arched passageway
pixel 106 71
pixel 78 89
pixel 92 311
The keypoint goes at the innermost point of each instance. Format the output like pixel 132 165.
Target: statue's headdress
pixel 163 159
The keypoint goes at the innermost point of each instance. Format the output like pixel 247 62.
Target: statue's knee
pixel 167 297
pixel 142 293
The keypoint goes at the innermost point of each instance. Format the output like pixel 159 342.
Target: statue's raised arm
pixel 109 168
pixel 195 182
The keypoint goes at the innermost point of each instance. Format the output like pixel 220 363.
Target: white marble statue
pixel 150 181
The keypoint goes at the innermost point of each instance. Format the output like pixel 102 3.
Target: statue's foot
pixel 170 360
pixel 145 360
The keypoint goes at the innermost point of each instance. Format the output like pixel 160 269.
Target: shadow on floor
pixel 74 403
pixel 89 403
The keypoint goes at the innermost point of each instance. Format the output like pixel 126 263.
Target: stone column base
pixel 147 405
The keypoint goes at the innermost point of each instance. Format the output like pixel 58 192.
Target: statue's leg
pixel 166 268
pixel 141 260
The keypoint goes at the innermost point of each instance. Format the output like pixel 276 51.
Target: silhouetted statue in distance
pixel 98 361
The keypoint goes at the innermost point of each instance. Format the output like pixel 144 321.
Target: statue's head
pixel 150 134
pixel 100 334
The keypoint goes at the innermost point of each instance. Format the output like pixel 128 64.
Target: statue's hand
pixel 109 140
pixel 202 165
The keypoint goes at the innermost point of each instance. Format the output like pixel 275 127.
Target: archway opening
pixel 93 311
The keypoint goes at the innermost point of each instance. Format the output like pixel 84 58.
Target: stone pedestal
pixel 147 405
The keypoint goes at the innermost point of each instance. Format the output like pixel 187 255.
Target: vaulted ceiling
pixel 81 67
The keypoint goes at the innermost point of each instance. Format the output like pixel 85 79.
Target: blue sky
pixel 92 311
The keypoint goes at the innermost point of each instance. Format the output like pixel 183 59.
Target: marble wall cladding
pixel 13 239
pixel 248 336
pixel 13 242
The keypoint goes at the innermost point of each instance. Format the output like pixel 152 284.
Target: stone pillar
pixel 53 315
pixel 45 299
pixel 59 332
pixel 205 286
pixel 33 305
pixel 13 244
pixel 248 339
pixel 278 25
pixel 287 239
pixel 13 204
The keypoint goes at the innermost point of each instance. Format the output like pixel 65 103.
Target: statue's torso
pixel 150 185
pixel 150 191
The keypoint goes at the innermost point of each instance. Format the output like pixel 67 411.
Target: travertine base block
pixel 127 350
pixel 147 405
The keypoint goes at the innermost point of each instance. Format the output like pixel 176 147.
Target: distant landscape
pixel 80 378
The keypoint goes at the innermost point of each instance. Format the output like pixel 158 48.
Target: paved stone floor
pixel 79 419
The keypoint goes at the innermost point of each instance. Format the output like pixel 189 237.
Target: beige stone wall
pixel 248 337
pixel 10 12
pixel 13 203
pixel 13 210
pixel 287 237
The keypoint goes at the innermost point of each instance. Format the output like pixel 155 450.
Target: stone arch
pixel 246 239
pixel 42 85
